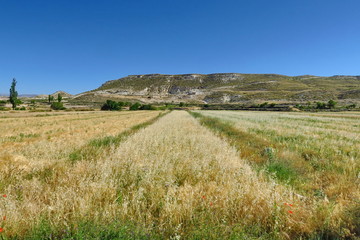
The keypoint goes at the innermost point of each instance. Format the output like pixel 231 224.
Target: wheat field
pixel 177 178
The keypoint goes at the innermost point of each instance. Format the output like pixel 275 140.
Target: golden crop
pixel 175 176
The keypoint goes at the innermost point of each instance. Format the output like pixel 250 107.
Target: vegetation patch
pixel 21 137
pixel 57 106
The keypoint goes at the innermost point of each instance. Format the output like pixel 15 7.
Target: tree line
pixel 111 105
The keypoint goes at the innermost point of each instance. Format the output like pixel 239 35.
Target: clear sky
pixel 76 45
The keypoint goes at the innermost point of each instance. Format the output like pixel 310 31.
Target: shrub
pixel 320 105
pixel 112 105
pixel 272 105
pixel 135 106
pixel 147 107
pixel 57 106
pixel 264 105
pixel 331 104
pixel 351 106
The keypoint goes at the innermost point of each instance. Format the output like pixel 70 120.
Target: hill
pixel 226 88
pixel 62 93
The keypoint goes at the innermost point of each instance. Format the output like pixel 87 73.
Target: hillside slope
pixel 227 88
pixel 62 93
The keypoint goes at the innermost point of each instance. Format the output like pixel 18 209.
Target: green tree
pixel 320 105
pixel 264 105
pixel 13 94
pixel 57 106
pixel 147 107
pixel 135 106
pixel 51 98
pixel 331 104
pixel 112 105
pixel 59 97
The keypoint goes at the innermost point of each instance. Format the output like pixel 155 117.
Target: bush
pixel 57 106
pixel 331 104
pixel 351 106
pixel 320 105
pixel 4 108
pixel 147 107
pixel 135 106
pixel 264 105
pixel 112 105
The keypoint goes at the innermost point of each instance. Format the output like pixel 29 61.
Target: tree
pixel 264 105
pixel 13 94
pixel 331 104
pixel 147 107
pixel 112 105
pixel 57 106
pixel 320 105
pixel 51 98
pixel 135 106
pixel 59 98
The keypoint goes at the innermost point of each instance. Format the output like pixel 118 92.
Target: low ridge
pixel 227 88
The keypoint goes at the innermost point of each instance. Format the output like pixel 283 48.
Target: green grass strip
pixel 96 147
pixel 128 230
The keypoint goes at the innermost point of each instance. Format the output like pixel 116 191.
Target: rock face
pixel 227 88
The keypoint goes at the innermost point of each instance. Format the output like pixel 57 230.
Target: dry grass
pixel 38 140
pixel 319 151
pixel 174 179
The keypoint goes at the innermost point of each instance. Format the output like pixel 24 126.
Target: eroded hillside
pixel 227 88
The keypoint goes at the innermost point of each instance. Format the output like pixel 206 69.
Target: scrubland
pixel 130 175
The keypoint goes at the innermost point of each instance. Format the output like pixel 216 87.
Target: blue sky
pixel 78 45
